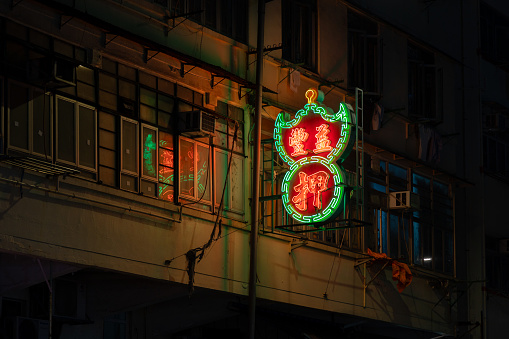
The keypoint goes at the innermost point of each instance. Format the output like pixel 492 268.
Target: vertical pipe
pixel 256 169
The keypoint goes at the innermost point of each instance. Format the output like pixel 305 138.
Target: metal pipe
pixel 102 203
pixel 255 194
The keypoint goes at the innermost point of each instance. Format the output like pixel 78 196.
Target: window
pixel 228 17
pixel 421 235
pixel 76 133
pixel 494 36
pixel 299 22
pixel 233 199
pixel 115 326
pixel 424 85
pixel 166 166
pixel 129 155
pixel 29 120
pixel 195 176
pixel 432 225
pixel 495 139
pixel 363 57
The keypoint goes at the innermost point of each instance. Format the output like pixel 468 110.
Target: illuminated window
pixel 194 171
pixel 432 225
pixel 299 29
pixel 422 234
pixel 363 57
pixel 166 166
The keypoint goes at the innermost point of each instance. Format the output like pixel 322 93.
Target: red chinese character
pixel 297 139
pixel 322 140
pixel 315 183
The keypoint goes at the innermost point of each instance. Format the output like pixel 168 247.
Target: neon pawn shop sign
pixel 314 144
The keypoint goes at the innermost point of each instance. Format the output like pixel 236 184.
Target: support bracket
pixel 240 91
pixel 64 22
pixel 182 68
pixel 146 56
pixel 14 4
pixel 212 79
pixel 106 41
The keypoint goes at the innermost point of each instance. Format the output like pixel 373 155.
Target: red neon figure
pixel 322 140
pixel 315 183
pixel 297 139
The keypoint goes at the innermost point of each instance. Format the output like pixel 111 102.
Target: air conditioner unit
pixel 70 300
pixel 504 246
pixel 404 199
pixel 195 124
pixel 21 327
pixel 51 72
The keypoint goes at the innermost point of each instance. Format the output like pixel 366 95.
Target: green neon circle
pixel 344 144
pixel 334 205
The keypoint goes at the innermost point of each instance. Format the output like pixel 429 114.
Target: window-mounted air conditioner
pixel 21 327
pixel 195 124
pixel 51 72
pixel 403 199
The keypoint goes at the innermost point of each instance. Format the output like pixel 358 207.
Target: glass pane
pixel 85 75
pixel 107 83
pixel 148 80
pixel 149 149
pixel 185 93
pixel 165 157
pixel 86 142
pixel 166 175
pixel 165 103
pixel 417 257
pixel 236 113
pixel 394 227
pixel 129 146
pixel 163 120
pixel 220 170
pixel 383 227
pixel 127 90
pixel 148 114
pixel 166 86
pixel 148 97
pixel 438 250
pixel 203 173
pixel 186 164
pixel 66 139
pixel 18 120
pixel 166 192
pixel 165 140
pixel 126 72
pixel 237 183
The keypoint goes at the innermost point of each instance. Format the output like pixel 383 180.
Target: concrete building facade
pixel 103 102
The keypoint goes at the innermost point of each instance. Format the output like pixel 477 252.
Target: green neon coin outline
pixel 334 205
pixel 342 147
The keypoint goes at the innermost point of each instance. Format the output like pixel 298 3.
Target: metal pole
pixel 256 170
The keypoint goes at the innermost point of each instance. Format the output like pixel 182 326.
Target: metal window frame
pixel 136 151
pixel 141 149
pixel 196 196
pixel 94 110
